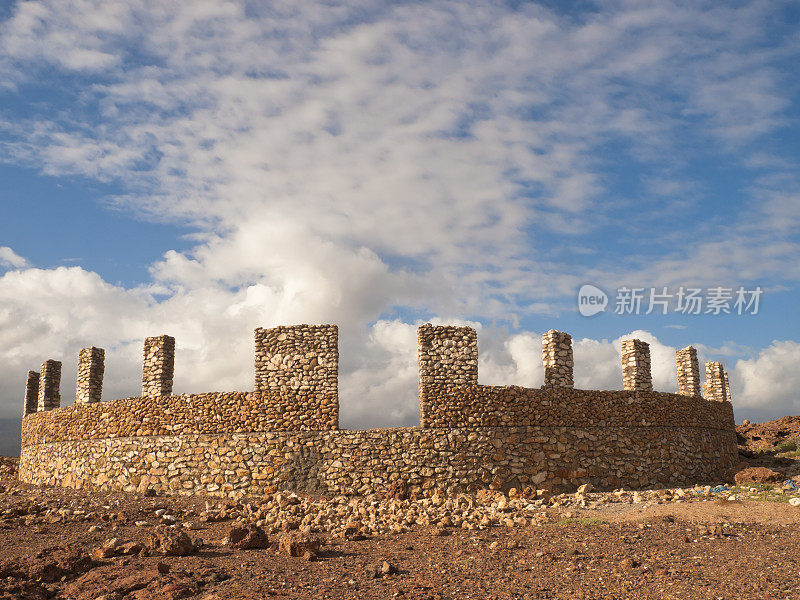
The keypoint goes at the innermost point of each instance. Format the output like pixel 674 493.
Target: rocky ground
pixel 735 540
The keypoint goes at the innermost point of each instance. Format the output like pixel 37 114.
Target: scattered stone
pixel 246 538
pixel 171 541
pixel 297 544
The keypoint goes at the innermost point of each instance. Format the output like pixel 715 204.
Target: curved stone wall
pixel 285 434
pixel 214 412
pixel 358 462
pixel 469 406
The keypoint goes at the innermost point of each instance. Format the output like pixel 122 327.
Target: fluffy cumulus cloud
pixel 368 163
pixel 767 385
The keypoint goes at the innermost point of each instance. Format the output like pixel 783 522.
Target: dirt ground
pixel 696 544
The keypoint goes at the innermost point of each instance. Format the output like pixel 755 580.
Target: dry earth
pixel 712 542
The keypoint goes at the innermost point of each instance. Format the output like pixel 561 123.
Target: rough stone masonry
pixel 91 366
pixel 688 371
pixel 636 365
pixel 301 362
pixel 715 382
pixel 557 359
pixel 285 432
pixel 158 366
pixel 31 393
pixel 49 385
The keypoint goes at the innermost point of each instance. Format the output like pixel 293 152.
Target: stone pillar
pixel 158 366
pixel 715 382
pixel 636 365
pixel 31 393
pixel 557 359
pixel 727 388
pixel 49 396
pixel 90 375
pixel 448 361
pixel 301 361
pixel 688 371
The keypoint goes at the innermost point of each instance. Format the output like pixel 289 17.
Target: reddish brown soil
pixel 698 550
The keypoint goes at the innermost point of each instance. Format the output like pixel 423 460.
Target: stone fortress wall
pixel 285 433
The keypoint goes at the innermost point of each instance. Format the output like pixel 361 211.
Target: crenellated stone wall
pixel 688 371
pixel 715 388
pixel 448 363
pixel 285 433
pixel 557 359
pixel 31 393
pixel 158 366
pixel 636 365
pixel 301 361
pixel 91 365
pixel 49 396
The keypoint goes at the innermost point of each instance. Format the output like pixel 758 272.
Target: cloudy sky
pixel 201 168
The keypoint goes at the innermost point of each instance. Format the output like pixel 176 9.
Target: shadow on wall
pixel 10 436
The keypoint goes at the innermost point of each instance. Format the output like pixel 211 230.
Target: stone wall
pixel 494 406
pixel 727 387
pixel 688 371
pixel 448 363
pixel 285 434
pixel 359 462
pixel 636 365
pixel 557 359
pixel 91 365
pixel 301 361
pixel 229 412
pixel 715 388
pixel 31 393
pixel 158 366
pixel 49 396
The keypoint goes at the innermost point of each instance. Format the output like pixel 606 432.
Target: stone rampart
pixel 285 434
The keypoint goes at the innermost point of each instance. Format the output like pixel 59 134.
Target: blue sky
pixel 211 167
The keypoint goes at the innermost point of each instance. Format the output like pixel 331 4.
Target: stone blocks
pixel 715 388
pixel 158 366
pixel 31 393
pixel 636 365
pixel 688 371
pixel 301 363
pixel 285 434
pixel 49 396
pixel 91 365
pixel 448 362
pixel 557 359
pixel 363 462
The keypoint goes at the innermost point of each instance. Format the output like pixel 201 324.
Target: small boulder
pixel 297 544
pixel 171 541
pixel 247 538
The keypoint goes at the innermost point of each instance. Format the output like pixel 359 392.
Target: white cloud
pixel 53 313
pixel 340 163
pixel 9 258
pixel 414 131
pixel 767 385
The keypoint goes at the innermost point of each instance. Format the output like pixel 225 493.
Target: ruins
pixel 285 433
